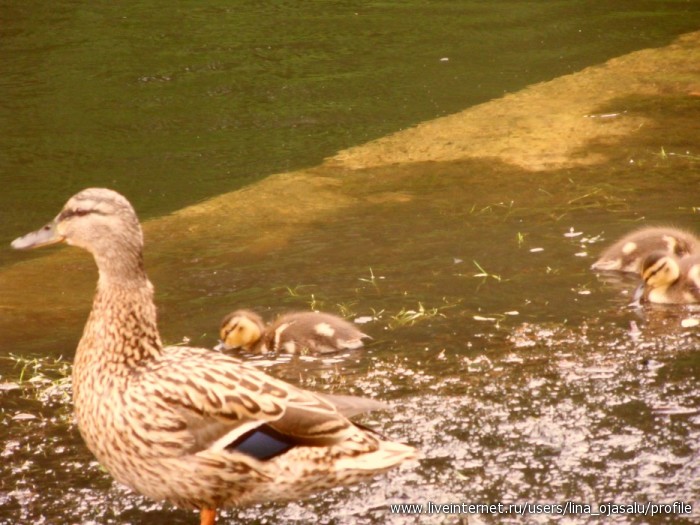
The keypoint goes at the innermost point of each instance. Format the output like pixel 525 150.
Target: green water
pixel 171 104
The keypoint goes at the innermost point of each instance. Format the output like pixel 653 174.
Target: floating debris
pixel 672 410
pixel 332 360
pixel 536 250
pixel 572 233
pixel 484 273
pixel 23 416
pixel 591 240
pixel 604 115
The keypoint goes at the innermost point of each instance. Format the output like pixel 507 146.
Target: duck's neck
pixel 121 332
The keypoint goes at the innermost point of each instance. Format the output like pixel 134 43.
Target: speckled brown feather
pixel 312 332
pixel 628 253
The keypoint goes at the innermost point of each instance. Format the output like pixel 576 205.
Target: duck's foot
pixel 207 517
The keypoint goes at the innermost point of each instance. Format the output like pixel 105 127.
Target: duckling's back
pixel 313 332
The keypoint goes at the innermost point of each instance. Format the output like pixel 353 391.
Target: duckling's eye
pixel 229 331
pixel 80 212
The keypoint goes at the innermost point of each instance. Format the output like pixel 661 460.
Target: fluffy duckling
pixel 670 280
pixel 628 254
pixel 296 332
pixel 194 427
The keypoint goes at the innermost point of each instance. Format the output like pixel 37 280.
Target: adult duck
pixel 194 427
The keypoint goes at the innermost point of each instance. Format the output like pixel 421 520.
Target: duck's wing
pixel 221 403
pixel 351 406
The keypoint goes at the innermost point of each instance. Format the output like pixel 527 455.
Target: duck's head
pixel 240 329
pixel 96 219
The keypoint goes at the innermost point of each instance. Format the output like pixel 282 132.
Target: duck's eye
pixel 76 212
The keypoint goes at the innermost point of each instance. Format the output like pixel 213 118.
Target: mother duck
pixel 187 425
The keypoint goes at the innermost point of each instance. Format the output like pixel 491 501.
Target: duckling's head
pixel 240 329
pixel 660 269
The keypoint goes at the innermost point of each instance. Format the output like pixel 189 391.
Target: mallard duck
pixel 628 254
pixel 188 425
pixel 670 280
pixel 295 332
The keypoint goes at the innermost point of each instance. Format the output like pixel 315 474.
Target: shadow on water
pixel 521 375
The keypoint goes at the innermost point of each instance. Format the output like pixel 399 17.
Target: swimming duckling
pixel 670 280
pixel 628 254
pixel 296 332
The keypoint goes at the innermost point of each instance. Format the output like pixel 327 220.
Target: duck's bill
pixel 42 237
pixel 222 347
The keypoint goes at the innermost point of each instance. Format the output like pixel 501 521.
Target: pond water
pixel 173 105
pixel 522 376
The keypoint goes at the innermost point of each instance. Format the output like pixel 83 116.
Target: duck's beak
pixel 42 237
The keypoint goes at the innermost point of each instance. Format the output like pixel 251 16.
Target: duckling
pixel 670 280
pixel 628 253
pixel 188 425
pixel 295 332
pixel 242 329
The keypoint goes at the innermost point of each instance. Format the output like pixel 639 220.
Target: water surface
pixel 524 377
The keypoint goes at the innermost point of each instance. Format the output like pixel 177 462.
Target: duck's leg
pixel 207 517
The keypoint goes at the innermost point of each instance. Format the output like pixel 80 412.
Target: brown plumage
pixel 188 425
pixel 292 333
pixel 670 280
pixel 628 253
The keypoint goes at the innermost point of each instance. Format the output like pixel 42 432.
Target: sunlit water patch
pixel 548 414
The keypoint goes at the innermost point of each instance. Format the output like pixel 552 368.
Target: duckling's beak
pixel 42 237
pixel 638 294
pixel 221 346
